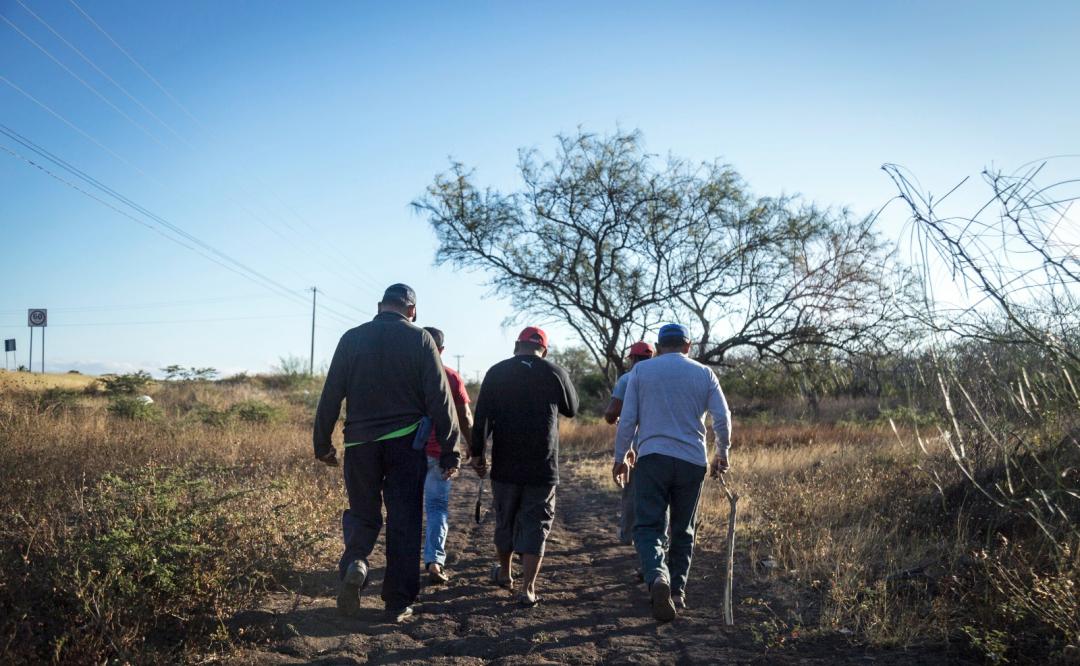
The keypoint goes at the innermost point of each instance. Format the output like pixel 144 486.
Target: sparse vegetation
pixel 180 373
pixel 126 384
pixel 136 544
pixel 133 408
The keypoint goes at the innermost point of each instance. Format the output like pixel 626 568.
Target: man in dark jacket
pixel 518 408
pixel 391 377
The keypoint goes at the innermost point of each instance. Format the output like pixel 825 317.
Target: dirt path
pixel 593 610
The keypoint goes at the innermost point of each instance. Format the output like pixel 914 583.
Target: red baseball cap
pixel 535 335
pixel 642 349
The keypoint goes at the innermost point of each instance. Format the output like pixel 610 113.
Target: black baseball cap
pixel 399 293
pixel 436 335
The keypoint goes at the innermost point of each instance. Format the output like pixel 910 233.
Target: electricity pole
pixel 457 357
pixel 311 364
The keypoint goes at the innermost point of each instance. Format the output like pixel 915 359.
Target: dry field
pixel 158 535
pixel 16 381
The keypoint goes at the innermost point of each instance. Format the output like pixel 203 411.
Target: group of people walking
pixel 406 412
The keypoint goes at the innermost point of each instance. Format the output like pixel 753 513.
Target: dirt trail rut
pixel 593 610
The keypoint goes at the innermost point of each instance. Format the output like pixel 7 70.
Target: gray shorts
pixel 523 517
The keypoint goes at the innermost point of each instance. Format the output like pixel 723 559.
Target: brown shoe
pixel 660 595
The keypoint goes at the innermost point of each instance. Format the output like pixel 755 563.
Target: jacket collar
pixel 390 315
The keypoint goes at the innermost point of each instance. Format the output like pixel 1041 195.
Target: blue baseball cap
pixel 673 333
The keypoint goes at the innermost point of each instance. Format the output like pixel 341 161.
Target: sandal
pixel 437 577
pixel 524 602
pixel 507 584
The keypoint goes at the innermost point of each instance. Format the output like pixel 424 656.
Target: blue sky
pixel 303 131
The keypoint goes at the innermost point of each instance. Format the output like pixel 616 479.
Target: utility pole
pixel 311 364
pixel 457 357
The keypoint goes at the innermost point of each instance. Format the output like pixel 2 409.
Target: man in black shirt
pixel 390 374
pixel 518 408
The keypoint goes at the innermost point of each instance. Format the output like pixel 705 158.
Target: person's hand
pixel 479 465
pixel 329 458
pixel 450 473
pixel 719 466
pixel 631 458
pixel 620 474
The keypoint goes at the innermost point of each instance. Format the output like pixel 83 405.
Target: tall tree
pixel 613 241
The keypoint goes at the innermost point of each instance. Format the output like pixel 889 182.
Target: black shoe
pixel 660 596
pixel 348 598
pixel 679 599
pixel 398 615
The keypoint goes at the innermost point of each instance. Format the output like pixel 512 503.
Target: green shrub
pixel 254 411
pixel 130 407
pixel 290 374
pixel 128 384
pixel 58 399
pixel 238 378
pixel 148 565
pixel 218 418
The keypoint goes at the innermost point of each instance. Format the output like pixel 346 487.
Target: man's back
pixel 389 372
pixel 519 406
pixel 667 398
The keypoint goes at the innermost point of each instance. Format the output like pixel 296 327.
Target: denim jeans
pixel 663 483
pixel 437 510
pixel 390 472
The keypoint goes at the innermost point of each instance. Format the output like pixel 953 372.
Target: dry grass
pixel 137 540
pixel 856 529
pixel 26 381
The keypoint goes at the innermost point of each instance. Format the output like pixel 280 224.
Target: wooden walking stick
pixel 733 501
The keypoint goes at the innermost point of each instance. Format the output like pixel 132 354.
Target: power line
pixel 365 277
pixel 110 206
pixel 82 175
pixel 366 313
pixel 101 145
pixel 170 321
pixel 73 126
pixel 244 270
pixel 135 62
pixel 120 158
pixel 99 70
pixel 143 306
pixel 101 96
pixel 82 81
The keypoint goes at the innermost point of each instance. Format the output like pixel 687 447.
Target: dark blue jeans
pixel 390 471
pixel 663 483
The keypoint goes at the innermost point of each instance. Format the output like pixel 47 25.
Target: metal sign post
pixel 37 318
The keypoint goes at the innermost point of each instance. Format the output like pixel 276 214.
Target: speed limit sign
pixel 37 317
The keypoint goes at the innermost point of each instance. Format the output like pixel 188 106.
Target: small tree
pixel 178 372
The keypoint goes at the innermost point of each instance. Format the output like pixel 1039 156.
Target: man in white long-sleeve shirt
pixel 667 398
